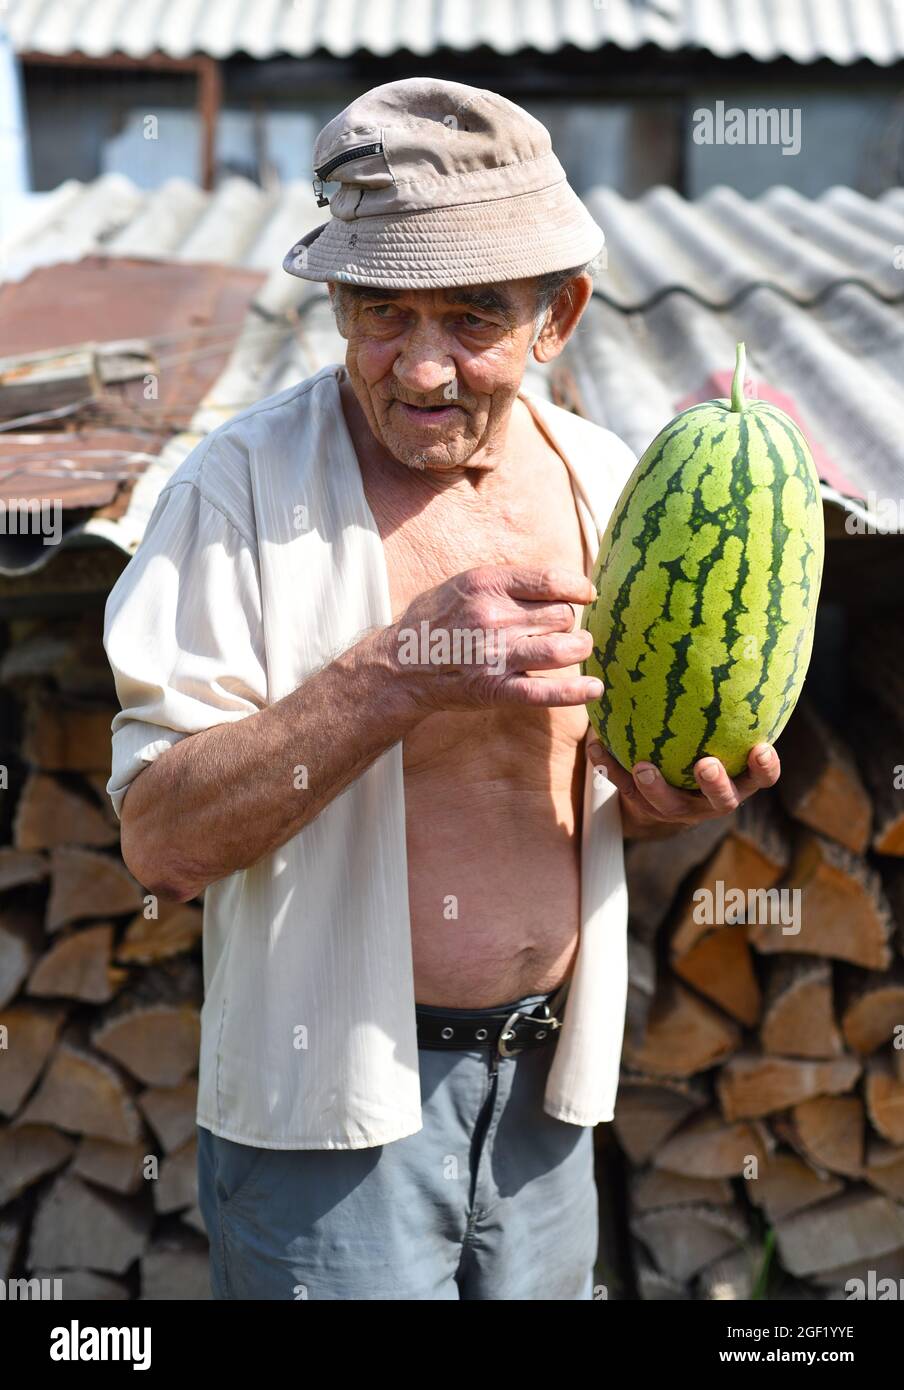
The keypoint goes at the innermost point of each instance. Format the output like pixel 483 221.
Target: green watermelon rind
pixel 708 578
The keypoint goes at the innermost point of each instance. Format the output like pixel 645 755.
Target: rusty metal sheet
pixel 190 316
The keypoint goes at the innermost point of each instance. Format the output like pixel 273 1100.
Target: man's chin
pixel 437 455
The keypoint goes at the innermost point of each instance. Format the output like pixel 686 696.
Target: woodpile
pixel 100 994
pixel 763 1067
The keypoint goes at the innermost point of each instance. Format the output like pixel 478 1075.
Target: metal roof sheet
pixel 842 31
pixel 189 315
pixel 811 285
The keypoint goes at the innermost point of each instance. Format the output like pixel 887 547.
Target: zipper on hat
pixel 323 173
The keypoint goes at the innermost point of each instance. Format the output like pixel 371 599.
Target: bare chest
pixel 449 535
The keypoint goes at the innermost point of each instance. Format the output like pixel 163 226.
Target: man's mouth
pixel 427 412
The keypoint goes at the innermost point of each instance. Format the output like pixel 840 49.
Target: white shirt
pixel 261 561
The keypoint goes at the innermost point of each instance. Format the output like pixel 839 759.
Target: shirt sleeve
pixel 183 633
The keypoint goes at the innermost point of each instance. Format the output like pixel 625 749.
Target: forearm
pixel 219 800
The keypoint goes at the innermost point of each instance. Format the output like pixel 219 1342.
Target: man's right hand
pixel 499 624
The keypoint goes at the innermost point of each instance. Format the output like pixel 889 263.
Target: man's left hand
pixel 652 809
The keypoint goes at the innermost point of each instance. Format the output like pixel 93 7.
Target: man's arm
pixel 224 797
pixel 219 800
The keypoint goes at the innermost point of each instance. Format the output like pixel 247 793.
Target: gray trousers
pixel 491 1199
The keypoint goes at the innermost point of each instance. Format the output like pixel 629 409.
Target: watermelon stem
pixel 737 384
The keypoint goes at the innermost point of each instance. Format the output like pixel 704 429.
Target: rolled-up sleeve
pixel 183 633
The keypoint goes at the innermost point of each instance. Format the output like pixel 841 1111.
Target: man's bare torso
pixel 492 798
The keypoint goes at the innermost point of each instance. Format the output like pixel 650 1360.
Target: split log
pixel 786 1184
pixel 18 868
pixel 873 1010
pixel 880 746
pixel 154 1029
pixel 870 1270
pixel 12 1228
pixel 684 1035
pixel 719 965
pixel 27 1154
pixel 32 655
pixel 654 873
pixel 78 967
pixel 84 1286
pixel 177 1186
pixel 884 1096
pixel 28 1033
pixel 750 1085
pixel 79 1227
pixel 656 1188
pixel 843 911
pixel 171 1111
pixel 20 941
pixel 709 950
pixel 65 651
pixel 98 783
pixel 175 930
pixel 84 1095
pixel 820 784
pixel 645 1115
pixel 158 1044
pixel 120 1167
pixel 892 874
pixel 49 814
pixel 641 988
pixel 89 884
pixel 855 1226
pixel 176 1269
pixel 830 1132
pixel 707 1147
pixel 684 1240
pixel 884 1168
pixel 733 1277
pixel 68 738
pixel 798 1019
pixel 654 1286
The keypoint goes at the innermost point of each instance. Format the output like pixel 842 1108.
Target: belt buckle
pixel 546 1017
pixel 502 1046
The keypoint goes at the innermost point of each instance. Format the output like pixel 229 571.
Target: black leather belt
pixel 507 1030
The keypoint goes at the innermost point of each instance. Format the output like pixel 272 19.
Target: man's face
pixel 436 371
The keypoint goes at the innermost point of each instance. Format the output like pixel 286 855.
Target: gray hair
pixel 548 287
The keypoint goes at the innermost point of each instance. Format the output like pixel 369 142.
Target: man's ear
pixel 562 317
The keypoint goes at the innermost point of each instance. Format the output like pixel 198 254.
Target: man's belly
pixel 493 863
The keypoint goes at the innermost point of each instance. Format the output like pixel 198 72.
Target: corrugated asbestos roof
pixel 811 286
pixel 842 31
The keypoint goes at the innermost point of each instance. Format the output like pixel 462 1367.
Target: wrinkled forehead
pixel 505 298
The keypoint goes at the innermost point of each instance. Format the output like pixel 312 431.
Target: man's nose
pixel 424 364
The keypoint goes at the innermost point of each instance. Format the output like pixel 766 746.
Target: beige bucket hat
pixel 440 184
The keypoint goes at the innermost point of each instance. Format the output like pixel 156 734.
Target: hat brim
pixel 467 244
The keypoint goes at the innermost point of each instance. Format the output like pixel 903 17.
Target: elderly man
pixel 347 654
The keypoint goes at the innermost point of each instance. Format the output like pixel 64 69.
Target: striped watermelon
pixel 708 578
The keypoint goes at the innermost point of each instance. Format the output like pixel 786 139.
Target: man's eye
pixel 381 311
pixel 473 320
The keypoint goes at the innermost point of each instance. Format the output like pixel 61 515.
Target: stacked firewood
pixel 763 1082
pixel 100 992
pixel 761 1110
